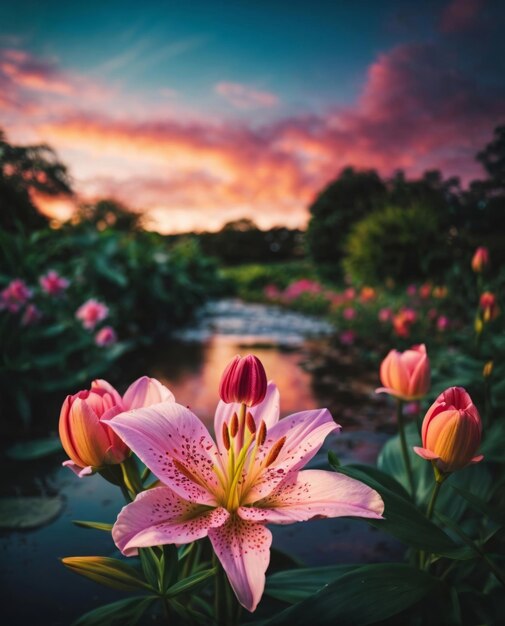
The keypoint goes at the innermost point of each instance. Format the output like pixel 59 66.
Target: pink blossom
pixel 271 292
pixel 91 313
pixel 53 284
pixel 442 323
pixel 232 490
pixel 411 290
pixel 350 293
pixel 347 337
pixel 15 295
pixel 31 315
pixel 301 287
pixel 106 336
pixel 349 313
pixel 385 314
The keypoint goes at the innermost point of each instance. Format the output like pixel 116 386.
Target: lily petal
pixel 305 433
pixel 174 444
pixel 268 410
pixel 159 516
pixel 315 493
pixel 244 551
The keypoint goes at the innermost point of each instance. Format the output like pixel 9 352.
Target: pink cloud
pixel 244 97
pixel 416 111
pixel 459 15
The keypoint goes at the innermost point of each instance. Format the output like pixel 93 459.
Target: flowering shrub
pixel 58 307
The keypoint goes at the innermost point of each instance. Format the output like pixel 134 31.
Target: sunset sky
pixel 202 112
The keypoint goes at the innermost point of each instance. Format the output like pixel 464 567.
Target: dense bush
pixel 340 205
pixel 398 244
pixel 144 287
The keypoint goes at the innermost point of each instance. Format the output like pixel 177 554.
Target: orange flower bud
pixel 480 260
pixel 244 380
pixel 451 431
pixel 406 375
pixel 84 433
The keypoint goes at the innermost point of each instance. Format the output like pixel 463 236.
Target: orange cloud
pixel 416 111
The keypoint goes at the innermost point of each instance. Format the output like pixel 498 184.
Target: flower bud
pixel 84 433
pixel 146 391
pixel 451 431
pixel 487 370
pixel 480 260
pixel 489 306
pixel 406 375
pixel 244 381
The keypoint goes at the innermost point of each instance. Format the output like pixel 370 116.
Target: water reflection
pixel 192 371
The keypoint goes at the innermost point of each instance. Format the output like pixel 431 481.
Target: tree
pixel 109 213
pixel 344 202
pixel 23 171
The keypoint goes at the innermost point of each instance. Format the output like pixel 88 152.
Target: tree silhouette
pixel 23 171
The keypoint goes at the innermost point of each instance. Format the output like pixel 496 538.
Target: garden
pixel 354 449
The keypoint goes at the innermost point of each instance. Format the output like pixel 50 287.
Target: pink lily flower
pixel 229 491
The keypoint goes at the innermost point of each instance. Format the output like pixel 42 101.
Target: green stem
pixel 126 494
pixel 226 612
pixel 405 452
pixel 433 499
pixel 424 557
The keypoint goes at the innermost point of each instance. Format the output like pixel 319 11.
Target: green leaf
pixel 297 584
pixel 96 525
pixel 150 566
pixel 106 571
pixel 35 449
pixel 366 595
pixel 122 612
pixel 169 565
pixel 191 581
pixel 403 519
pixel 23 513
pixel 479 505
pixel 492 446
pixel 333 459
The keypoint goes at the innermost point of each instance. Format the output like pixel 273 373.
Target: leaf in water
pixel 366 595
pixel 25 513
pixel 35 449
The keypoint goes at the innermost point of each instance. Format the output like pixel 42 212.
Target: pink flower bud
pixel 15 295
pixel 406 375
pixel 451 431
pixel 146 391
pixel 91 313
pixel 53 284
pixel 106 336
pixel 84 433
pixel 244 381
pixel 480 260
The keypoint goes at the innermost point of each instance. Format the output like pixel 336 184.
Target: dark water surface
pixel 37 589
